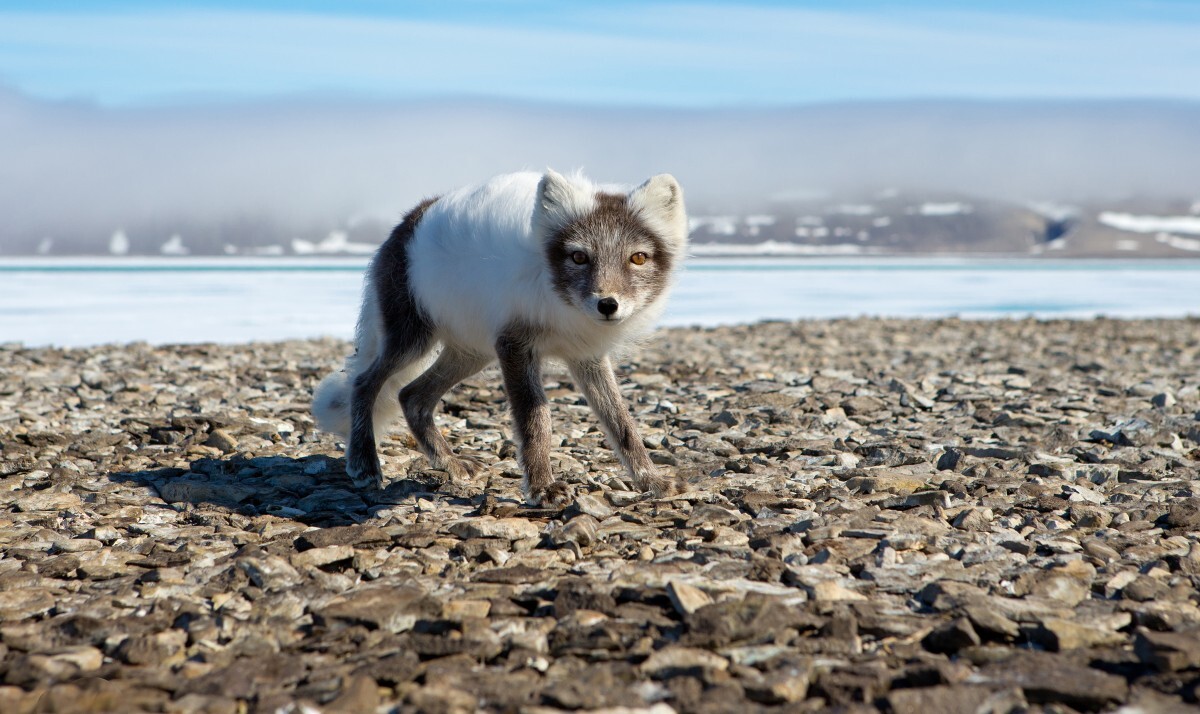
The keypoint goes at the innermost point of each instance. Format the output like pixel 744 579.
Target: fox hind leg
pixel 401 348
pixel 420 398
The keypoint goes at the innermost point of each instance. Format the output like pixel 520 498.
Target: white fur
pixel 477 264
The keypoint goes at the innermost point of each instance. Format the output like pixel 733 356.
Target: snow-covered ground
pixel 773 248
pixel 91 301
pixel 1151 224
pixel 942 209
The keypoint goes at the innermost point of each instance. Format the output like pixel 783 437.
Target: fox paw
pixel 555 494
pixel 463 468
pixel 663 486
pixel 364 475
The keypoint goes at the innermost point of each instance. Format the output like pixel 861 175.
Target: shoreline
pixel 892 514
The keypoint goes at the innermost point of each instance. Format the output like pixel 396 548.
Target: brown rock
pixel 686 598
pixel 1047 678
pixel 391 609
pixel 1168 651
pixel 938 700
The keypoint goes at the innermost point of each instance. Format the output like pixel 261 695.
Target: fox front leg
pixel 599 386
pixel 522 370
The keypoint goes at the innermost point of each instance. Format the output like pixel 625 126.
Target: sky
pixel 612 53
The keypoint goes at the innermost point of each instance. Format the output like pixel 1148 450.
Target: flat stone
pixel 161 648
pixel 47 501
pixel 316 557
pixel 593 506
pixel 222 440
pixel 1063 588
pixel 1168 651
pixel 491 527
pixel 833 591
pixel 1059 635
pixel 783 685
pixel 1046 678
pixel 457 610
pixel 391 609
pixel 938 700
pixel 675 660
pixel 355 535
pixel 686 598
pixel 270 572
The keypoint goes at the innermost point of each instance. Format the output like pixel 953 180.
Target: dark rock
pixel 1047 678
pixel 1168 651
pixel 752 619
pixel 951 637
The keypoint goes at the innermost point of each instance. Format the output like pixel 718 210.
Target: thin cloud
pixel 660 54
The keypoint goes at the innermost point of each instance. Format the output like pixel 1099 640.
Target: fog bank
pixel 80 169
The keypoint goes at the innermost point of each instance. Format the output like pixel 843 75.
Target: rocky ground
pixel 903 516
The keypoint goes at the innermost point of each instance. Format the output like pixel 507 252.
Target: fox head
pixel 610 254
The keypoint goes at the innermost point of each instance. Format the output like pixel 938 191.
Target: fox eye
pixel 579 257
pixel 638 258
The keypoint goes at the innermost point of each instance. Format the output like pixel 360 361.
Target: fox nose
pixel 607 306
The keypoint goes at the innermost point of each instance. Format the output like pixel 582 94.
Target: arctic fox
pixel 517 269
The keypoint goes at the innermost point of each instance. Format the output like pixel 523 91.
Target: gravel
pixel 902 516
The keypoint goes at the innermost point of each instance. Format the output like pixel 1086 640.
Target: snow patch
pixel 174 246
pixel 854 209
pixel 953 208
pixel 720 225
pixel 1053 211
pixel 45 246
pixel 882 222
pixel 755 223
pixel 1126 244
pixel 335 242
pixel 1151 224
pixel 119 243
pixel 772 247
pixel 1178 242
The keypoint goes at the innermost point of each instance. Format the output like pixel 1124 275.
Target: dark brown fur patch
pixel 390 270
pixel 612 216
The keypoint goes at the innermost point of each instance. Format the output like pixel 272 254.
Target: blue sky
pixel 605 53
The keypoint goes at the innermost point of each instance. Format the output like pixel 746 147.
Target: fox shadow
pixel 313 490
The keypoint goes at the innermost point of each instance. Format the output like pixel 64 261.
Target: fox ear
pixel 559 201
pixel 659 201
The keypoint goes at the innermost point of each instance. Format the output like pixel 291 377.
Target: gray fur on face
pixel 609 236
